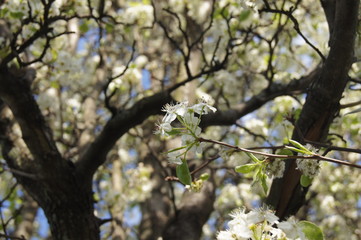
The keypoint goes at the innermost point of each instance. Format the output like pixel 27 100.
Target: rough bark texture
pixel 157 209
pixel 192 214
pixel 322 103
pixel 47 177
pixel 61 188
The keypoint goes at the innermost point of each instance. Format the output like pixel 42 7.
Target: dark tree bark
pixel 61 188
pixel 322 102
pixel 194 211
pixel 49 179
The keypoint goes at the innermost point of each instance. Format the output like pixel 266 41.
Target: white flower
pixel 163 129
pixel 308 167
pixel 141 61
pixel 226 235
pixel 175 157
pixel 275 168
pixel 191 121
pixel 141 13
pixel 172 111
pixel 292 229
pixel 261 215
pixel 257 224
pixel 202 108
pixel 187 139
pixel 240 224
pixel 277 233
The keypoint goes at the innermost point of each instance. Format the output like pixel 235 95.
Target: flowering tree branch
pixel 322 103
pixel 274 156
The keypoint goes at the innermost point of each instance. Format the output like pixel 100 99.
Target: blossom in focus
pixel 172 111
pixel 292 229
pixel 174 157
pixel 275 168
pixel 309 167
pixel 202 108
pixel 260 224
pixel 163 128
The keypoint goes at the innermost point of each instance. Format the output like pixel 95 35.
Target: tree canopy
pixel 204 119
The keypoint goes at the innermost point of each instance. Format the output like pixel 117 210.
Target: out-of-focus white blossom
pixel 139 182
pixel 140 14
pixel 48 99
pixel 229 198
pixel 141 61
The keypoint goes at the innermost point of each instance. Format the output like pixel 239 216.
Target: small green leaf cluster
pixel 309 167
pixel 258 168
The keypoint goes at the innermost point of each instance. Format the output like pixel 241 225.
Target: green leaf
pixel 299 145
pixel 84 27
pixel 305 181
pixel 3 12
pixel 4 51
pixel 183 173
pixel 297 113
pixel 244 15
pixel 285 152
pixel 246 168
pixel 17 15
pixel 311 231
pixel 297 150
pixel 109 27
pixel 55 84
pixel 174 132
pixel 204 176
pixel 253 157
pixel 263 179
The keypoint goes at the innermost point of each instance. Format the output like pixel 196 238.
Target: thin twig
pixel 270 155
pixel 296 27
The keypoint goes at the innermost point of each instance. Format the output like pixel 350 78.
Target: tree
pixel 83 85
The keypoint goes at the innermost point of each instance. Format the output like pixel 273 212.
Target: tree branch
pixel 193 213
pixel 96 153
pixel 16 93
pixel 229 117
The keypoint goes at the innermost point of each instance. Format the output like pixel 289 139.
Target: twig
pixel 295 26
pixel 270 155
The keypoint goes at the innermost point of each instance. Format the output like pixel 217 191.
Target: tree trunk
pixel 193 213
pixel 67 206
pixel 322 104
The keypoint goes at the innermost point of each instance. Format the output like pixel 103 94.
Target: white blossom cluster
pixel 275 168
pixel 260 224
pixel 190 131
pixel 308 167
